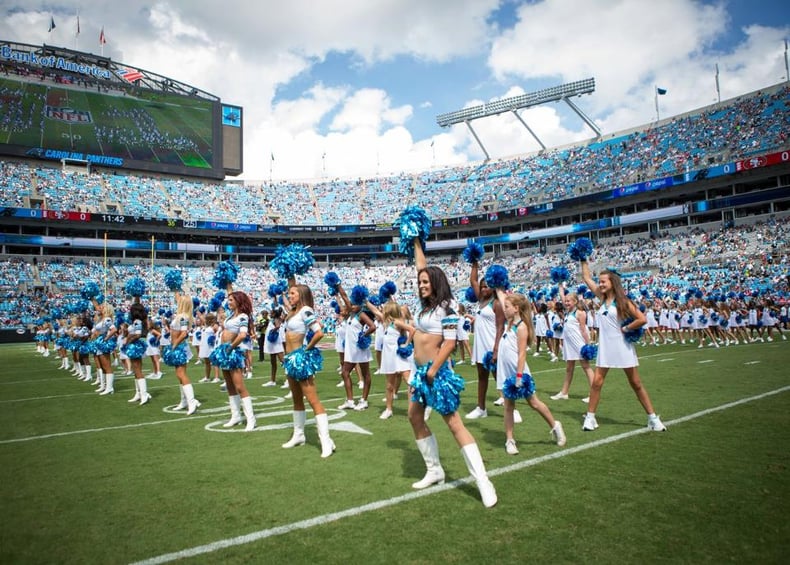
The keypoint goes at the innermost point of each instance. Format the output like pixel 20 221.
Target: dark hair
pixel 138 312
pixel 442 294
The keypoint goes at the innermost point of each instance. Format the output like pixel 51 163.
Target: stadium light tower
pixel 513 104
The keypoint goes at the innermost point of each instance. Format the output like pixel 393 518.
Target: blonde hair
pixel 391 311
pixel 184 304
pixel 522 304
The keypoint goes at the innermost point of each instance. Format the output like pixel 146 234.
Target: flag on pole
pixel 78 26
pixel 102 38
pixel 661 91
pixel 51 24
pixel 272 155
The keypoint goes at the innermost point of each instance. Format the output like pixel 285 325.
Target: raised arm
pixel 588 279
pixel 474 278
pixel 419 255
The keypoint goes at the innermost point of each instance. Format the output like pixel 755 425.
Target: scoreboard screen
pixel 46 114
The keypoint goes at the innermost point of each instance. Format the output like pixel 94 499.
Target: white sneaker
pixel 559 396
pixel 510 447
pixel 216 380
pixel 269 383
pixel 553 358
pixel 289 396
pixel 499 401
pixel 586 399
pixel 205 380
pixel 341 384
pixel 285 384
pixel 536 354
pixel 461 362
pixel 517 417
pixel 590 423
pixel 248 375
pixel 361 405
pixel 360 385
pixel 558 434
pixel 655 424
pixel 154 376
pixel 477 413
pixel 347 405
pixel 386 415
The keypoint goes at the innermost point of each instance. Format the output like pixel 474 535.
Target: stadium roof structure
pixel 89 66
pixel 554 94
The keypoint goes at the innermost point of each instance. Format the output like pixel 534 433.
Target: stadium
pixel 110 172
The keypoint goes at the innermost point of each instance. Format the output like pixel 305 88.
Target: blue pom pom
pixel 515 389
pixel 225 274
pixel 135 287
pixel 388 290
pixel 178 356
pixel 560 274
pixel 225 357
pixel 90 290
pixel 331 279
pixel 443 395
pixel 581 290
pixel 404 351
pixel 473 252
pixel 632 336
pixel 488 361
pixel 549 333
pixel 195 302
pixel 273 335
pixel 557 327
pixel 589 352
pixel 412 223
pixel 363 340
pixel 174 279
pixel 376 300
pixel 470 295
pixel 211 340
pixel 301 364
pixel 581 249
pixel 467 325
pixel 135 349
pixel 359 294
pixel 291 260
pixel 496 277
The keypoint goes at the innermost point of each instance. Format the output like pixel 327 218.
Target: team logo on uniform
pixel 69 115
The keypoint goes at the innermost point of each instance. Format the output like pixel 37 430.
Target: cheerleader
pixel 489 324
pixel 228 356
pixel 513 377
pixel 105 334
pixel 464 327
pixel 356 352
pixel 397 349
pixel 575 344
pixel 208 341
pixel 135 348
pixel 433 382
pixel 541 324
pixel 302 361
pixel 178 353
pixel 153 351
pixel 274 345
pixel 618 317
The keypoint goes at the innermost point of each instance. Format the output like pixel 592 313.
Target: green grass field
pixel 89 479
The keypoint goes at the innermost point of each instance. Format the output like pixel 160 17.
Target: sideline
pixel 357 510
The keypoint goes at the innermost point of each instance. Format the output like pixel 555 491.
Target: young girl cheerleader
pixel 513 377
pixel 575 344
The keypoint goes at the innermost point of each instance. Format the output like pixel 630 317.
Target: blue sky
pixel 352 88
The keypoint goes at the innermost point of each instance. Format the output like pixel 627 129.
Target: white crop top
pixel 238 324
pixel 302 320
pixel 438 321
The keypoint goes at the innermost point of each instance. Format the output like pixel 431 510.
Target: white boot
pixel 249 413
pixel 474 462
pixel 100 380
pixel 189 394
pixel 77 370
pixel 300 417
pixel 327 445
pixel 86 371
pixel 144 395
pixel 434 474
pixel 235 411
pixel 136 396
pixel 109 379
pixel 183 404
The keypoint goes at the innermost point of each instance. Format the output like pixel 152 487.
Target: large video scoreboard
pixel 59 104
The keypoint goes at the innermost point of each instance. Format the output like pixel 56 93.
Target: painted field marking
pixel 357 510
pixel 706 361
